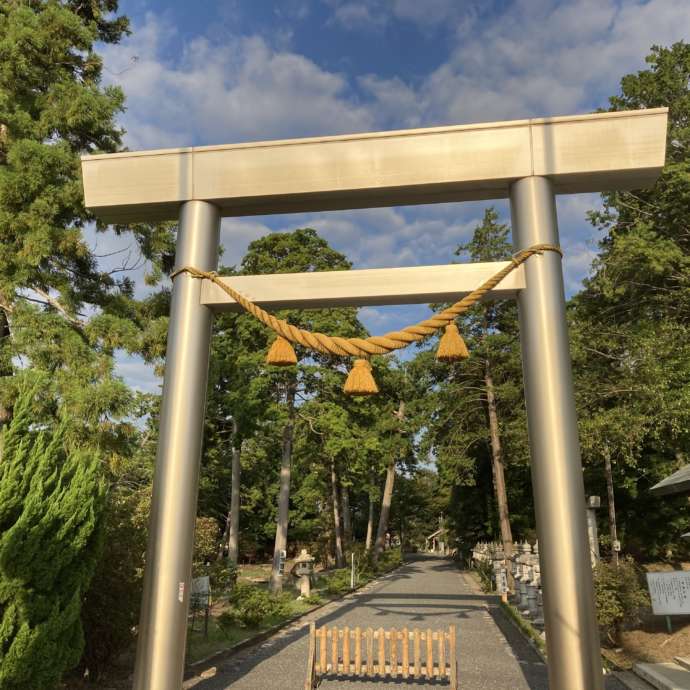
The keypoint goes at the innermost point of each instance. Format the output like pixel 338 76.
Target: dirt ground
pixel 651 642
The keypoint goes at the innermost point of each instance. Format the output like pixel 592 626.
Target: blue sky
pixel 217 72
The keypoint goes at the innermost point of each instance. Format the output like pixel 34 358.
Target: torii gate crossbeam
pixel 528 161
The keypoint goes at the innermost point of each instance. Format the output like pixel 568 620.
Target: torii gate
pixel 528 161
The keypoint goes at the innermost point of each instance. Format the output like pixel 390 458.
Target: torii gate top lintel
pixel 578 153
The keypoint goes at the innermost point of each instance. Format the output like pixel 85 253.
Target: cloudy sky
pixel 226 71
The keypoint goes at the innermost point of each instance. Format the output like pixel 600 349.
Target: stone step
pixel 683 661
pixel 632 682
pixel 666 676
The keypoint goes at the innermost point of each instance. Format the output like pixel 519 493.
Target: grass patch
pixel 525 626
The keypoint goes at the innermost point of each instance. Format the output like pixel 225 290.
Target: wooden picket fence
pixel 356 652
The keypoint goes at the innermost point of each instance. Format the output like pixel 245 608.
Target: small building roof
pixel 676 483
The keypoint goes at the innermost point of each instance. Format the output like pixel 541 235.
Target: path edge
pixel 191 670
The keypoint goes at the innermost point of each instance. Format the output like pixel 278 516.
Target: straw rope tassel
pixel 451 347
pixel 360 380
pixel 281 353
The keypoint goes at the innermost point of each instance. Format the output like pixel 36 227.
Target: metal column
pixel 572 636
pixel 165 603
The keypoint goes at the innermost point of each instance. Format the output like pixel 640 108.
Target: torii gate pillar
pixel 559 498
pixel 165 602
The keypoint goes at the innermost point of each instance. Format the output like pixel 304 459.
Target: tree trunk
pixel 347 518
pixel 231 533
pixel 387 497
pixel 6 368
pixel 337 531
pixel 276 583
pixel 612 504
pixel 370 520
pixel 497 464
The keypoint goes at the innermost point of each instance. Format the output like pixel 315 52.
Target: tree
pixel 52 497
pixel 476 416
pixel 490 243
pixel 630 325
pixel 300 251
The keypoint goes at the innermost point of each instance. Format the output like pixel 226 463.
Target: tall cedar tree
pixel 631 329
pixel 51 507
pixel 53 109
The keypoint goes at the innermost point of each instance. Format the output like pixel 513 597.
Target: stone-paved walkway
pixel 427 592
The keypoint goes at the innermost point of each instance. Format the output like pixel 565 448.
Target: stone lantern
pixel 303 569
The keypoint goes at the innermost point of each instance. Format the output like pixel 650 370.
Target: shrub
pixel 485 571
pixel 252 605
pixel 206 534
pixel 51 527
pixel 620 595
pixel 338 582
pixel 388 560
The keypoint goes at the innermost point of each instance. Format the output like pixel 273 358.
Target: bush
pixel 253 605
pixel 485 571
pixel 338 582
pixel 388 560
pixel 620 595
pixel 51 531
pixel 222 574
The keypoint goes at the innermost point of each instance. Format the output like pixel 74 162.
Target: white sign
pixel 201 585
pixel 670 592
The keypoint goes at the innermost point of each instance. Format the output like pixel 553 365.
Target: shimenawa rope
pixel 374 345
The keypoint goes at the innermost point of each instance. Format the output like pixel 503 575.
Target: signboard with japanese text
pixel 670 592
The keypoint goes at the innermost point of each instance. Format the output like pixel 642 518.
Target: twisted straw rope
pixel 374 345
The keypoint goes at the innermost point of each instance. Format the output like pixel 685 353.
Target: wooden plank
pixel 358 651
pixel 417 654
pixel 382 652
pixel 334 649
pixel 370 651
pixel 429 655
pixel 394 652
pixel 346 649
pixel 322 650
pixel 405 653
pixel 360 288
pixel 442 655
pixel 579 153
pixel 453 660
pixel 309 682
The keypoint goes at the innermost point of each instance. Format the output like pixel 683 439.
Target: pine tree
pixel 51 507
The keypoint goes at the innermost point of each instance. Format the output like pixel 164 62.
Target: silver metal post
pixel 165 603
pixel 572 636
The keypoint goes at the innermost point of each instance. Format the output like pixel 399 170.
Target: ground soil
pixel 651 642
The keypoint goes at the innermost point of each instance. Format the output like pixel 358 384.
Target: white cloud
pixel 357 15
pixel 240 90
pixel 534 58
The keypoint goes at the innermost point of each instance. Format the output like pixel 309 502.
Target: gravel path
pixel 427 592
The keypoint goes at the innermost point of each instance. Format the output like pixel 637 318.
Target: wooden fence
pixel 397 653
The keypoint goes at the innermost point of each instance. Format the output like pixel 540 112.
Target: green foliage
pixel 484 570
pixel 205 541
pixel 620 596
pixel 110 610
pixel 388 560
pixel 253 605
pixel 631 326
pixel 338 581
pixel 51 518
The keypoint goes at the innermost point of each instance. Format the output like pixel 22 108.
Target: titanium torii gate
pixel 528 161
